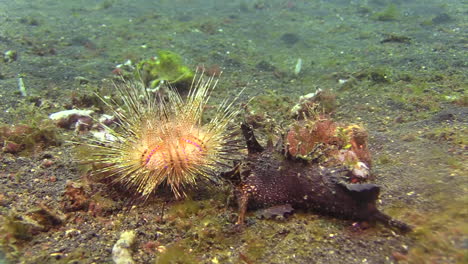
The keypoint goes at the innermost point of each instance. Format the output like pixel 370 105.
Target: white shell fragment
pixel 68 113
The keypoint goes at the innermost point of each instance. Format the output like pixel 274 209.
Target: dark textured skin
pixel 268 177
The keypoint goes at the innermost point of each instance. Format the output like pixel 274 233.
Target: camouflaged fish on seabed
pixel 314 169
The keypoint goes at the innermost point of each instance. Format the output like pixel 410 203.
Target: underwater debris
pixel 22 87
pixel 298 67
pixel 75 198
pixel 81 121
pixel 121 250
pixel 68 118
pixel 274 176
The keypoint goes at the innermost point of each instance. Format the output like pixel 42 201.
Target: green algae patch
pixel 277 241
pixel 439 235
pixel 453 133
pixel 176 254
pixel 184 209
pixel 166 67
pixel 206 232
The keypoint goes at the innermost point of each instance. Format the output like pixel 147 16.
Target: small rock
pixel 275 211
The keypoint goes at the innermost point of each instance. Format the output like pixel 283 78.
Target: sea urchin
pixel 163 141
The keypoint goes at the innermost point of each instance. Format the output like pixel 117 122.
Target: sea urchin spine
pixel 163 141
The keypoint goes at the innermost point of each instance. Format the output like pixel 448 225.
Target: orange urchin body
pixel 164 141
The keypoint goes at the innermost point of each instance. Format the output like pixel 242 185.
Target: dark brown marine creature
pixel 272 176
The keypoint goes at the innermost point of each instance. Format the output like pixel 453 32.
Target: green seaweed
pixel 166 67
pixel 255 247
